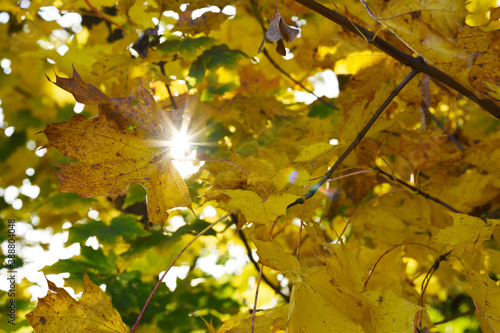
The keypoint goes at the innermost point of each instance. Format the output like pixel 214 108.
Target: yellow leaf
pixel 466 191
pixel 357 117
pixel 345 269
pixel 390 313
pixel 255 209
pixel 272 255
pixel 485 156
pixel 125 144
pixel 492 261
pixel 428 27
pixel 297 176
pixel 262 171
pixel 466 233
pixel 210 327
pixel 357 61
pixel 317 305
pixel 396 218
pixel 59 312
pixel 268 320
pixel 311 152
pixel 486 295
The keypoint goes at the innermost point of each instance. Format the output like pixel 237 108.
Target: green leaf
pixel 196 72
pixel 136 193
pixel 320 110
pixel 96 263
pixel 221 55
pixel 188 47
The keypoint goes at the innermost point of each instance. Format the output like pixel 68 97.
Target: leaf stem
pixel 261 271
pixel 358 139
pixel 258 284
pixel 401 56
pixel 376 263
pixel 172 264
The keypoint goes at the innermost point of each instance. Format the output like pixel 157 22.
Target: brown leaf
pixel 425 91
pixel 426 101
pixel 144 42
pixel 204 24
pixel 277 32
pixel 289 33
pixel 280 48
pixel 274 32
pixel 123 145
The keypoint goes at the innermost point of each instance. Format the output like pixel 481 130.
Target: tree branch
pixel 471 311
pixel 402 57
pixel 201 233
pixel 416 190
pixel 264 51
pixel 358 139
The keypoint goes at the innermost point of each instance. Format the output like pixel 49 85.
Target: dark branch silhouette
pixel 402 57
pixel 356 141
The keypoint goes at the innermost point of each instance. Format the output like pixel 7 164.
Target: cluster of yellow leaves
pixel 363 257
pixel 59 312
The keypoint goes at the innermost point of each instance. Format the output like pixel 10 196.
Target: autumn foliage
pixel 338 166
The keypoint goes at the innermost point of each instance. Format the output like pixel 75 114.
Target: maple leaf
pixel 266 320
pixel 466 234
pixel 257 210
pixel 124 144
pixel 390 313
pixel 272 255
pixel 486 295
pixel 59 312
pixel 317 305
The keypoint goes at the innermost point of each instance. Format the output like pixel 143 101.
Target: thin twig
pixel 348 175
pixel 471 311
pixel 161 14
pixel 425 284
pixel 416 190
pixel 452 138
pixel 376 263
pixel 255 264
pixel 492 215
pixel 299 239
pixel 264 51
pixel 105 17
pixel 261 272
pixel 172 264
pixel 258 285
pixel 174 105
pixel 358 139
pixel 401 56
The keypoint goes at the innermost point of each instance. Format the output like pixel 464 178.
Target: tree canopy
pixel 250 166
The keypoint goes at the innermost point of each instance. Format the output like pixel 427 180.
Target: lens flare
pixel 179 145
pixel 332 192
